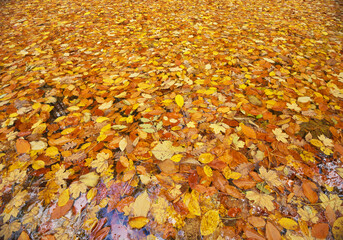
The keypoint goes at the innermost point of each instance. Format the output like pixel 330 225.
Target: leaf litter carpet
pixel 171 119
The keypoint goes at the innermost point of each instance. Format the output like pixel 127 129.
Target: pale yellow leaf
pixel 262 200
pixel 141 206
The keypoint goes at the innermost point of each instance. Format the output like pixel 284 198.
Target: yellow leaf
pixel 51 151
pixel 101 137
pixel 76 188
pixel 73 108
pixel 288 223
pixel 272 74
pixel 67 131
pixel 262 200
pixel 129 119
pixel 101 119
pixel 141 206
pixel 123 144
pixel 38 164
pixel 106 105
pixel 138 222
pixel 208 171
pixel 179 100
pixel 36 105
pixel 191 201
pixel 176 157
pixel 206 158
pixel 209 222
pixel 91 194
pixel 228 174
pixel 64 198
pixel 316 142
pixel 90 179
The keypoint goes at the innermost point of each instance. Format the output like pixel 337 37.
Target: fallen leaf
pixel 22 146
pixel 138 222
pixel 24 236
pixel 209 222
pixel 59 212
pixel 288 223
pixel 257 222
pixel 90 179
pixel 63 198
pixel 248 131
pixel 337 228
pixel 141 206
pixel 320 230
pixel 272 233
pixel 310 194
pixel 262 200
pixel 179 100
pixel 206 158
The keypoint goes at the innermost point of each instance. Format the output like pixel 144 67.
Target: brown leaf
pixel 310 194
pixel 58 211
pixel 272 233
pixel 320 230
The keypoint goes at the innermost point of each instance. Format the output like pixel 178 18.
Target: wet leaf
pixel 138 222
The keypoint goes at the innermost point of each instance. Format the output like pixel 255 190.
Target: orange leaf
pixel 248 131
pixel 22 146
pixel 257 222
pixel 320 230
pixel 252 234
pixel 232 191
pixel 311 195
pixel 58 211
pixel 48 237
pixel 272 233
pixel 24 236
